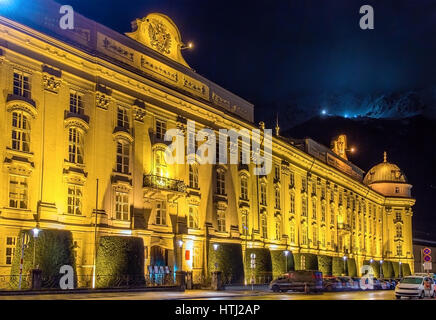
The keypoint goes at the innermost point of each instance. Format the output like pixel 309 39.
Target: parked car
pixel 332 284
pixel 347 283
pixel 415 286
pixel 300 280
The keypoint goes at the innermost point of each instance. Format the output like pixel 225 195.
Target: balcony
pixel 154 184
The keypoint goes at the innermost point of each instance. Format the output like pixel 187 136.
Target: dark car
pixel 331 284
pixel 300 280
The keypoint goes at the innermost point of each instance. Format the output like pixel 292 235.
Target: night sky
pixel 298 57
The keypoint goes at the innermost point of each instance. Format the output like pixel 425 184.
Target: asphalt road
pixel 211 295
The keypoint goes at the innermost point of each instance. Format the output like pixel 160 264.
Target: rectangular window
pixel 161 128
pixel 244 223
pixel 75 194
pixel 277 198
pixel 291 179
pixel 18 192
pixel 264 226
pixel 314 213
pixel 193 177
pixel 20 131
pixel 220 183
pixel 123 157
pixel 121 206
pixel 10 249
pixel 323 213
pixel 263 194
pixel 303 184
pixel 193 217
pixel 122 118
pixel 21 84
pixel 292 202
pixel 303 207
pixel 277 173
pixel 76 103
pixel 161 213
pixel 75 146
pixel 221 222
pixel 244 188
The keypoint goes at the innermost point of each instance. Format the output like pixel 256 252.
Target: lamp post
pixel 180 245
pixel 399 269
pixel 345 259
pixel 286 252
pixel 35 232
pixel 381 269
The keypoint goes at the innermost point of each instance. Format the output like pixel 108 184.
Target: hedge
pixel 280 261
pixel 406 270
pixel 338 266
pixel 53 249
pixel 228 258
pixel 325 265
pixel 388 271
pixel 120 261
pixel 352 268
pixel 310 259
pixel 376 268
pixel 263 266
pixel 396 266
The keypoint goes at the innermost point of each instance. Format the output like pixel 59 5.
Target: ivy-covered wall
pixel 388 270
pixel 395 266
pixel 406 270
pixel 228 258
pixel 263 266
pixel 53 249
pixel 120 261
pixel 311 261
pixel 338 267
pixel 325 265
pixel 351 267
pixel 280 262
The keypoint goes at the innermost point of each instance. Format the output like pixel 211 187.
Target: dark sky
pixel 298 57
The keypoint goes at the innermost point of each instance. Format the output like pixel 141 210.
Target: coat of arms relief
pixel 160 38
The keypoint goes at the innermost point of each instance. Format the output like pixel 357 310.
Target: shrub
pixel 53 249
pixel 396 267
pixel 228 258
pixel 376 268
pixel 280 261
pixel 352 268
pixel 406 270
pixel 325 265
pixel 388 271
pixel 338 266
pixel 120 261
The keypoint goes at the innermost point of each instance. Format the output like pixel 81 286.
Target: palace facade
pixel 83 113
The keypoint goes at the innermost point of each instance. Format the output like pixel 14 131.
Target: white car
pixel 415 286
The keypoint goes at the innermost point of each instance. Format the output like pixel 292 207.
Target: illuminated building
pixel 89 103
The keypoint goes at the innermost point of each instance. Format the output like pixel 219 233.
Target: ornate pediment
pixel 158 32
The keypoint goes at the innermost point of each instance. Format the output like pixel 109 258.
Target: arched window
pixel 292 232
pixel 244 188
pixel 123 157
pixel 221 220
pixel 264 225
pixel 75 146
pixel 399 230
pixel 277 198
pixel 20 131
pixel 278 229
pixel 193 176
pixel 263 194
pixel 160 166
pixel 220 182
pixel 193 217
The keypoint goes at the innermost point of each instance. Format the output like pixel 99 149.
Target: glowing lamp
pixel 35 231
pixel 215 246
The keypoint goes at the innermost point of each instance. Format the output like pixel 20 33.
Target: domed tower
pixel 388 179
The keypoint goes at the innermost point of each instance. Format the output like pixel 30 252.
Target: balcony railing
pixel 163 183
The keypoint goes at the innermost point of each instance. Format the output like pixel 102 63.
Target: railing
pixel 163 183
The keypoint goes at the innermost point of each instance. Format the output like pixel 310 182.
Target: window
pixel 314 213
pixel 193 217
pixel 76 103
pixel 292 232
pixel 244 188
pixel 398 230
pixel 332 238
pixel 193 176
pixel 323 212
pixel 303 184
pixel 161 128
pixel 322 192
pixel 278 229
pixel 292 199
pixel 221 221
pixel 160 166
pixel 315 235
pixel 244 223
pixel 304 234
pixel 75 199
pixel 264 225
pixel 323 231
pixel 332 215
pixel 263 194
pixel 303 262
pixel 304 207
pixel 277 198
pixel 220 182
pixel 75 146
pixel 398 215
pixel 18 192
pixel 340 198
pixel 161 213
pixel 20 131
pixel 397 190
pixel 122 206
pixel 277 173
pixel 10 249
pixel 123 156
pixel 399 250
pixel 122 118
pixel 21 84
pixel 291 179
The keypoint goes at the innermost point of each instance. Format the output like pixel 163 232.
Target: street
pixel 211 295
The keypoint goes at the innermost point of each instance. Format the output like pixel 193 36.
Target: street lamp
pixel 399 269
pixel 381 269
pixel 35 232
pixel 345 259
pixel 215 246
